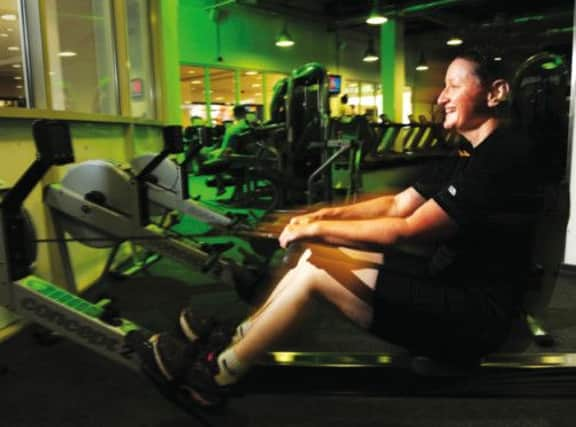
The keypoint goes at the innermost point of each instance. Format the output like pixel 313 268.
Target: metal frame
pixel 75 318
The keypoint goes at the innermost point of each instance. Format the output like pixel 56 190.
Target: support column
pixel 392 68
pixel 168 57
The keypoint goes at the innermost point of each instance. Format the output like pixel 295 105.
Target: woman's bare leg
pixel 311 278
pixel 352 257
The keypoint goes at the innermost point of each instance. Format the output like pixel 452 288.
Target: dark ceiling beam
pixel 444 19
pixel 410 9
pixel 284 10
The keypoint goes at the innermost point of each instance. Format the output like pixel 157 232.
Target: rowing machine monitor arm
pixel 173 144
pixel 54 147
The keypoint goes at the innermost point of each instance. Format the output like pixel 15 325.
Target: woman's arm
pixel 399 205
pixel 428 222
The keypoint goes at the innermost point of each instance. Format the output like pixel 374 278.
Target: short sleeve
pixel 435 176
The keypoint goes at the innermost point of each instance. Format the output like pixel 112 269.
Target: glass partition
pixel 368 101
pixel 142 92
pixel 271 79
pixel 82 63
pixel 352 90
pixel 12 69
pixel 192 94
pixel 221 95
pixel 251 93
pixel 222 88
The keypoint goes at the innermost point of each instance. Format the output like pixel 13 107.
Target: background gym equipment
pixel 294 153
pixel 91 325
pixel 540 104
pixel 102 204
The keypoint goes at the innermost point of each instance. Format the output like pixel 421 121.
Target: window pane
pixel 352 89
pixel 12 76
pixel 368 101
pixel 222 95
pixel 381 114
pixel 81 56
pixel 192 94
pixel 271 80
pixel 251 93
pixel 142 94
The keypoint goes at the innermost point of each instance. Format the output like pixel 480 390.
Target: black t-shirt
pixel 494 194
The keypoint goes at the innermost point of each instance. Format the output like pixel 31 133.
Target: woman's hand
pixel 309 217
pixel 293 232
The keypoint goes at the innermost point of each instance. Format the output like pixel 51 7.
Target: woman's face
pixel 463 99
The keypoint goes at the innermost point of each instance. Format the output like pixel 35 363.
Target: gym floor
pixel 59 383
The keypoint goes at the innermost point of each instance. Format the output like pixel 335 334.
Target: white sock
pixel 230 367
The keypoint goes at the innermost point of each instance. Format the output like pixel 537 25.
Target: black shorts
pixel 433 319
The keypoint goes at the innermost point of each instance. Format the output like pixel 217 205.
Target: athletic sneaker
pixel 209 331
pixel 185 367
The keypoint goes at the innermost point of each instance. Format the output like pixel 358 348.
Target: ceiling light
pixel 251 73
pixel 67 54
pixel 8 17
pixel 284 39
pixel 196 82
pixel 16 65
pixel 3 35
pixel 454 41
pixel 422 64
pixel 17 77
pixel 370 54
pixel 375 17
pixel 497 58
pixel 13 48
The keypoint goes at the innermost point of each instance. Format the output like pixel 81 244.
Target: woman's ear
pixel 499 91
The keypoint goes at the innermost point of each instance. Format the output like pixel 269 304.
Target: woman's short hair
pixel 488 69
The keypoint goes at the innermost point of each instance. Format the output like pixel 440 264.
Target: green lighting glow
pixel 551 65
pixel 429 5
pixel 560 30
pixel 63 297
pixel 524 19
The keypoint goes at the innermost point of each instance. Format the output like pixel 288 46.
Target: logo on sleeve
pixel 452 190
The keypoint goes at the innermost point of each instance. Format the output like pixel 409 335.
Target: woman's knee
pixel 306 277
